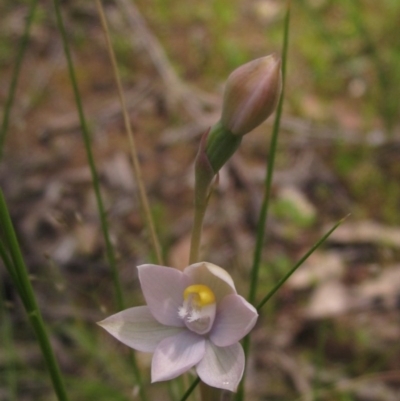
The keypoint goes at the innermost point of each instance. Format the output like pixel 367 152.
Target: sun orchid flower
pixel 193 318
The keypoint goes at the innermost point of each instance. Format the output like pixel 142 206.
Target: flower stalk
pixel 251 94
pixel 250 97
pixel 194 318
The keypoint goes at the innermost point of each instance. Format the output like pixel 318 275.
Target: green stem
pixel 24 287
pixel 246 341
pixel 8 263
pixel 36 320
pixel 15 76
pixel 269 173
pixel 95 179
pixel 267 192
pixel 207 393
pixel 190 389
pixel 204 176
pixel 199 213
pixel 298 264
pixel 89 154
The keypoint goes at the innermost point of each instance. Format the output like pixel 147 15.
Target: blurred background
pixel 332 332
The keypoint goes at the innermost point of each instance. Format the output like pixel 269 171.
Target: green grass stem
pixel 246 341
pixel 8 263
pixel 267 192
pixel 15 75
pixel 199 213
pixel 96 185
pixel 270 169
pixel 298 264
pixel 88 147
pixel 21 280
pixel 190 389
pixel 132 143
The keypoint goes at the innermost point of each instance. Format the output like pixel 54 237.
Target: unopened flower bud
pixel 251 94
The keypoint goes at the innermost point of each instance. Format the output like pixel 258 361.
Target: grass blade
pixel 190 390
pixel 25 290
pixel 299 263
pixel 8 263
pixel 270 168
pixel 88 147
pixel 267 192
pixel 15 75
pixel 96 185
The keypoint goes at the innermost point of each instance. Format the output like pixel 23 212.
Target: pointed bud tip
pixel 251 94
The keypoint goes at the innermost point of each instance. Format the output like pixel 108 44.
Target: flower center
pixel 199 307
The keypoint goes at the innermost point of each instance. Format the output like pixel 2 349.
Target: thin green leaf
pixel 246 341
pixel 299 263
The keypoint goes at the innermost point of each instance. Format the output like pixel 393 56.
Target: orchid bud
pixel 251 94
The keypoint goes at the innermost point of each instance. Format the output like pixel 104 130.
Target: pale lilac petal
pixel 163 290
pixel 175 355
pixel 235 318
pixel 214 277
pixel 222 367
pixel 137 328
